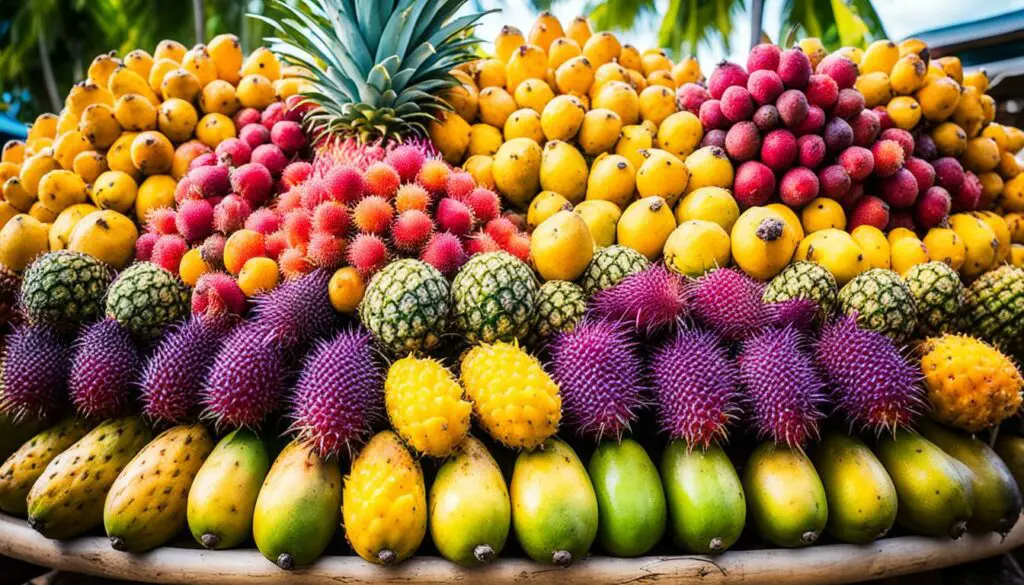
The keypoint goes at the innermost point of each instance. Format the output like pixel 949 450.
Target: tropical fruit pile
pixel 784 283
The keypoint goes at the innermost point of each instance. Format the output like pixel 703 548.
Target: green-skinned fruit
pixel 785 496
pixel 470 513
pixel 298 508
pixel 67 500
pixel 997 499
pixel 706 503
pixel 223 495
pixel 146 505
pixel 1010 449
pixel 630 500
pixel 934 495
pixel 15 434
pixel 861 497
pixel 554 508
pixel 25 465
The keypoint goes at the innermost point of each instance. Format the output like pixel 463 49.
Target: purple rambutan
pixel 728 302
pixel 105 366
pixel 176 372
pixel 869 377
pixel 339 398
pixel 34 373
pixel 650 300
pixel 696 387
pixel 297 312
pixel 246 380
pixel 600 375
pixel 785 390
pixel 800 313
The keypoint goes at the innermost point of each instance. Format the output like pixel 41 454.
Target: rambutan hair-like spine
pixel 651 300
pixel 105 368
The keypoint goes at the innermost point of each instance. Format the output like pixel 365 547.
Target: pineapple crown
pixel 377 66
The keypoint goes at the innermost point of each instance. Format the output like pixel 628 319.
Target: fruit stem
pixel 716 544
pixel 117 543
pixel 387 556
pixel 809 537
pixel 285 561
pixel 958 530
pixel 483 553
pixel 770 229
pixel 561 558
pixel 209 540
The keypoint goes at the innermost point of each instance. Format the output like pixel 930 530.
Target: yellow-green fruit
pixel 601 218
pixel 543 206
pixel 425 405
pixel 645 226
pixel 21 470
pixel 385 502
pixel 934 496
pixel 785 496
pixel 561 247
pixel 1010 449
pixel 762 242
pixel 662 174
pixel 67 500
pixel 22 238
pixel 613 179
pixel 513 398
pixel 706 504
pixel 470 511
pixel 713 204
pixel 944 245
pixel 14 434
pixel 874 245
pixel 562 118
pixel 61 189
pixel 223 495
pixel 450 133
pixel 563 170
pixel 997 499
pixel 630 499
pixel 861 497
pixel 633 140
pixel 680 134
pixel 298 507
pixel 709 167
pixel 695 247
pixel 599 132
pixel 146 505
pixel 980 243
pixel 516 170
pixel 554 507
pixel 906 253
pixel 835 250
pixel 105 235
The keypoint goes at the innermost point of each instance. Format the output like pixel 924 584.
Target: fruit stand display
pixel 374 296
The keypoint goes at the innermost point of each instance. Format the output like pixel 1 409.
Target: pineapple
pixel 609 266
pixel 995 305
pixel 562 304
pixel 804 280
pixel 882 302
pixel 970 384
pixel 939 295
pixel 425 405
pixel 405 306
pixel 515 400
pixel 494 298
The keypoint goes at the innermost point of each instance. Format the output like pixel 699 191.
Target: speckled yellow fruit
pixel 60 232
pixel 633 140
pixel 34 168
pixel 881 56
pixel 105 235
pixel 969 113
pixel 524 123
pixel 814 49
pixel 90 165
pixel 464 98
pixel 450 133
pixel 533 94
pixel 484 139
pixel 709 167
pixel 789 216
pixel 15 194
pixel 68 146
pixel 214 129
pixel 657 103
pixel 99 126
pixel 680 134
pixel 904 111
pixel 950 139
pixel 906 253
pixel 59 189
pixel 620 98
pixel 346 290
pixel 544 205
pixel 601 218
pixel 496 105
pixel 822 213
pixel 662 174
pixel 155 192
pixel 713 204
pixel 139 61
pixel 562 118
pixel 897 234
pixel 119 156
pixel 599 132
pixel 192 266
pixel 168 49
pixel 516 170
pixel 84 95
pixel 258 275
pixel 980 243
pixel 219 97
pixel 42 213
pixel 938 98
pixel 645 226
pixel 102 66
pixel 561 247
pixel 981 154
pixel 876 88
pixel 124 81
pixel 575 74
pixel 1012 199
pixel 944 245
pixel 762 242
pixel 198 62
pixel 563 170
pixel 180 84
pixel 481 168
pixel 152 153
pixel 835 250
pixel 606 73
pixel 177 119
pixel 114 190
pixel 22 238
pixel 908 74
pixel 874 244
pixel 1000 229
pixel 226 52
pixel 695 247
pixel 602 48
pixel 255 91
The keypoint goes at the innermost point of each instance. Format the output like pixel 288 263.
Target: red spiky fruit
pixel 230 214
pixel 367 253
pixel 233 152
pixel 728 302
pixel 480 243
pixel 326 251
pixel 289 200
pixel 294 264
pixel 888 155
pixel 314 192
pixel 433 176
pixel 331 217
pixel 216 294
pixel 501 229
pixel 519 246
pixel 599 372
pixel 270 156
pixel 296 173
pixel 902 137
pixel 168 251
pixel 484 204
pixel 212 250
pixel 194 220
pixel 36 360
pixel 288 136
pixel 459 185
pixel 162 221
pixel 274 244
pixel 406 160
pixel 696 387
pixel 246 382
pixel 298 227
pixel 297 312
pixel 345 184
pixel 373 215
pixel 105 366
pixel 211 181
pixel 411 231
pixel 650 300
pixel 411 196
pixel 264 220
pixel 253 183
pixel 454 216
pixel 381 180
pixel 144 246
pixel 444 252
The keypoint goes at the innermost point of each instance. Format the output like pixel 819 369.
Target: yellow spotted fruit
pixel 612 178
pixel 934 493
pixel 1010 449
pixel 146 505
pixel 706 504
pixel 662 174
pixel 981 245
pixel 67 500
pixel 938 98
pixel 601 218
pixel 15 433
pixel 695 247
pixel 22 468
pixel 763 243
pixel 23 238
pixel 836 250
pixel 561 247
pixel 785 496
pixel 105 235
pixel 709 167
pixel 905 253
pixel 223 496
pixel 385 502
pixel 451 134
pixel 554 507
pixel 564 171
pixel 631 512
pixel 880 55
pixel 997 499
pixel 298 507
pixel 861 497
pixel 425 405
pixel 710 204
pixel 470 511
pixel 645 226
pixel 543 206
pixel 680 134
pixel 634 138
pixel 874 245
pixel 516 170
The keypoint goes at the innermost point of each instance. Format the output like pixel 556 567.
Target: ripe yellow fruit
pixel 897 234
pixel 22 238
pixel 645 226
pixel 464 98
pixel 687 70
pixel 874 244
pixel 139 61
pixel 33 169
pixel 607 73
pixel 159 72
pixel 981 154
pixel 481 168
pixel 524 123
pixel 214 129
pixel 99 126
pixel 1017 255
pixel 89 165
pixel 599 131
pixel 612 179
pixel 620 98
pixel 544 205
pixel 119 155
pixel 1013 194
pixel 633 140
pixel 814 49
pixel 261 62
pixel 66 122
pixel 496 105
pixel 601 218
pixel 425 405
pixel 763 242
pixel 68 146
pixel 1002 231
pixel 40 212
pixel 84 95
pixel 906 253
pixel 953 68
pixel 483 139
pixel 908 74
pixel 657 103
pixel 822 213
pixel 662 174
pixel 198 62
pixel 969 113
pixel 876 87
pixel 575 75
pixel 192 266
pixel 695 247
pixel 680 134
pixel 152 153
pixel 713 204
pixel 255 91
pixel 168 49
pixel 135 113
pixel 15 194
pixel 977 79
pixel 177 119
pixel 531 93
pixel 709 167
pixel 516 170
pixel 509 39
pixel 60 232
pixel 525 62
pixel 14 152
pixel 904 111
pixel 124 81
pixel 105 235
pixel 880 56
pixel 562 118
pixel 218 97
pixel 915 46
pixel 938 98
pixel 980 243
pixel 944 245
pixel 561 247
pixel 346 290
pixel 579 30
pixel 226 52
pixel 259 275
pixel 950 139
pixel 490 73
pixel 102 67
pixel 114 190
pixel 602 48
pixel 835 250
pixel 59 189
pixel 560 51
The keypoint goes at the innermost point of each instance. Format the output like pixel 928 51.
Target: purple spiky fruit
pixel 650 300
pixel 869 377
pixel 785 390
pixel 176 372
pixel 246 380
pixel 105 367
pixel 34 373
pixel 339 396
pixel 297 312
pixel 696 387
pixel 728 302
pixel 600 375
pixel 800 313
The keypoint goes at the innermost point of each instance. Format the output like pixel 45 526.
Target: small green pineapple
pixel 939 296
pixel 494 298
pixel 804 280
pixel 145 299
pixel 882 302
pixel 609 266
pixel 405 306
pixel 64 288
pixel 994 306
pixel 561 306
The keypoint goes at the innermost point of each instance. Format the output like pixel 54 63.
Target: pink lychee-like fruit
pixel 922 171
pixel 714 137
pixel 270 156
pixel 331 217
pixel 690 96
pixel 195 220
pixel 168 251
pixel 766 118
pixel 212 250
pixel 411 231
pixel 264 220
pixel 763 57
pixel 925 147
pixel 754 184
pixel 798 187
pixel 888 155
pixel 901 218
pixel 866 128
pixel 216 293
pixel 245 117
pixel 298 227
pixel 811 151
pixel 207 159
pixel 711 116
pixel 933 207
pixel 765 86
pixel 838 135
pixel 858 162
pixel 484 204
pixel 144 246
pixel 792 106
pixel 314 192
pixel 968 196
pixel 501 229
pixel 822 91
pixel 900 189
pixel 272 114
pixel 949 173
pixel 234 152
pixel 519 246
pixel 726 75
pixel 345 184
pixel 737 104
pixel 412 196
pixel 289 200
pixel 841 69
pixel 444 252
pixel 779 150
pixel 162 221
pixel 481 243
pixel 381 180
pixel 884 119
pixel 367 253
pixel 812 124
pixel 407 161
pixel 294 264
pixel 902 137
pixel 296 173
pixel 288 136
pixel 212 181
pixel 794 68
pixel 230 214
pixel 454 216
pixel 254 135
pixel 459 185
pixel 869 210
pixel 834 182
pixel 743 141
pixel 275 243
pixel 849 104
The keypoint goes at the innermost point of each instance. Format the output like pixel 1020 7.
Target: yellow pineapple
pixel 515 400
pixel 425 405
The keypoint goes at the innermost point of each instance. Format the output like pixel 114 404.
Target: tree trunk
pixel 48 79
pixel 198 16
pixel 756 18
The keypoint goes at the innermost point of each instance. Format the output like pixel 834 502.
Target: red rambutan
pixel 454 216
pixel 433 176
pixel 406 160
pixel 345 184
pixel 195 220
pixel 215 294
pixel 373 215
pixel 298 227
pixel 296 173
pixel 501 229
pixel 314 192
pixel 367 253
pixel 253 183
pixel 275 243
pixel 293 263
pixel 459 185
pixel 326 251
pixel 162 221
pixel 519 246
pixel 411 231
pixel 168 251
pixel 484 204
pixel 381 180
pixel 230 214
pixel 264 220
pixel 444 252
pixel 233 152
pixel 480 243
pixel 411 196
pixel 331 217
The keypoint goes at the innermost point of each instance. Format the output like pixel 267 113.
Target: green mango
pixel 861 497
pixel 223 495
pixel 1011 450
pixel 298 508
pixel 786 498
pixel 705 497
pixel 25 465
pixel 554 508
pixel 470 513
pixel 997 499
pixel 934 494
pixel 630 499
pixel 14 434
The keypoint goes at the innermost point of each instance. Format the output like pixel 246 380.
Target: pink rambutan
pixel 230 214
pixel 186 189
pixel 314 192
pixel 326 251
pixel 161 221
pixel 459 185
pixel 728 302
pixel 211 181
pixel 454 216
pixel 444 252
pixel 888 155
pixel 34 372
pixel 168 251
pixel 245 117
pixel 289 200
pixel 215 294
pixel 783 386
pixel 650 300
pixel 338 399
pixel 253 183
pixel 207 159
pixel 519 246
pixel 246 382
pixel 433 176
pixel 367 253
pixel 270 156
pixel 297 312
pixel 296 173
pixel 212 250
pixel 411 231
pixel 293 263
pixel 144 246
pixel 288 136
pixel 233 152
pixel 480 243
pixel 345 184
pixel 272 114
pixel 381 180
pixel 696 387
pixel 484 204
pixel 275 243
pixel 373 215
pixel 406 160
pixel 105 366
pixel 298 227
pixel 254 135
pixel 501 229
pixel 600 376
pixel 411 196
pixel 331 217
pixel 195 220
pixel 264 220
